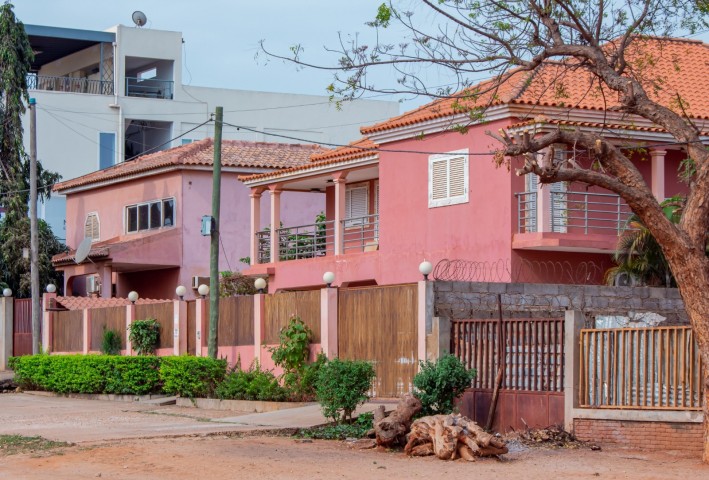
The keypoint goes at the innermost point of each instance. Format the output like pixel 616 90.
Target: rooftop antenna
pixel 139 18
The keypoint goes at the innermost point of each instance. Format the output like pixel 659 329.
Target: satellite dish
pixel 83 251
pixel 139 18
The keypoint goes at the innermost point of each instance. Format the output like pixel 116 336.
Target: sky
pixel 222 36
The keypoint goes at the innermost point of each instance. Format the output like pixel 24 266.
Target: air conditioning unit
pixel 92 284
pixel 197 281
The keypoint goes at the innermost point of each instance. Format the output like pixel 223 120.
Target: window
pixel 356 204
pixel 91 227
pixel 106 150
pixel 448 179
pixel 150 215
pixel 187 141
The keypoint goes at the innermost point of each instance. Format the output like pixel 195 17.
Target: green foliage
pixel 301 385
pixel 439 383
pixel 15 444
pixel 341 431
pixel 111 342
pixel 342 385
pixel 144 336
pixel 251 384
pixel 191 377
pixel 293 348
pixel 87 373
pixel 234 283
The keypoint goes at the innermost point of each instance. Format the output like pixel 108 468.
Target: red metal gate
pixel 22 327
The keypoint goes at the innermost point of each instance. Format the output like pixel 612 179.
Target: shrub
pixel 111 342
pixel 342 385
pixel 251 384
pixel 87 373
pixel 438 384
pixel 293 347
pixel 301 385
pixel 191 376
pixel 144 336
pixel 358 429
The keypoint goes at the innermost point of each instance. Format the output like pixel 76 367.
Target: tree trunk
pixel 392 430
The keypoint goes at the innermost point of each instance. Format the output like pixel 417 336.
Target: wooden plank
pixel 103 319
pixel 68 331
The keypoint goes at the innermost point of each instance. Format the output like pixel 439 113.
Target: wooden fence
pixel 236 321
pixel 191 325
pixel 164 314
pixel 533 352
pixel 22 327
pixel 103 319
pixel 640 368
pixel 68 331
pixel 280 307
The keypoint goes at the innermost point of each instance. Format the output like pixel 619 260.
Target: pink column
pixel 255 223
pixel 47 321
pixel 340 181
pixel 328 321
pixel 106 281
pixel 200 323
pixel 275 221
pixel 422 314
pixel 179 324
pixel 657 168
pixel 130 316
pixel 259 322
pixel 86 334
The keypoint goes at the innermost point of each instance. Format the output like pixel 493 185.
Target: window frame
pixel 161 202
pixel 351 222
pixel 448 199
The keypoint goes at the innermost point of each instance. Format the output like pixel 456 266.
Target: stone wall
pixel 642 435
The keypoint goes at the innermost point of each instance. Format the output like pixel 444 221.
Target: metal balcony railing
pixel 575 212
pixel 69 84
pixel 361 233
pixel 149 88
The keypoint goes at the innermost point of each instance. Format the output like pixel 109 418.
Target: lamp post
pixel 203 290
pixel 51 288
pixel 133 297
pixel 425 268
pixel 180 291
pixel 328 278
pixel 260 284
pixel 7 292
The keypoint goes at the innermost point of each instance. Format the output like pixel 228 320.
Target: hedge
pixel 191 376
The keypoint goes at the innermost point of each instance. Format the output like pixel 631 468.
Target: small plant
pixel 144 336
pixel 251 384
pixel 342 385
pixel 234 283
pixel 111 342
pixel 293 347
pixel 357 429
pixel 438 384
pixel 191 377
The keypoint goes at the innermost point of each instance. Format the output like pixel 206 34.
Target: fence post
pixel 259 323
pixel 573 323
pixel 200 319
pixel 47 321
pixel 86 331
pixel 6 329
pixel 179 324
pixel 425 315
pixel 328 321
pixel 130 316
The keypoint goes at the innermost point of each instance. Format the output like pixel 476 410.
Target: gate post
pixel 48 300
pixel 200 323
pixel 86 331
pixel 328 322
pixel 425 317
pixel 179 325
pixel 6 329
pixel 573 323
pixel 259 323
pixel 130 317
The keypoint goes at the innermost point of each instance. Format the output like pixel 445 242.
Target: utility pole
pixel 214 250
pixel 34 239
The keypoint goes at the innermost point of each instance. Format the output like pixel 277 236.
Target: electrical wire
pixel 224 251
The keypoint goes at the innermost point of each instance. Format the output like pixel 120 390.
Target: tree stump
pixel 392 430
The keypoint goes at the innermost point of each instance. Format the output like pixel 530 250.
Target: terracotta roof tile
pixel 679 68
pixel 82 303
pixel 607 126
pixel 362 148
pixel 201 153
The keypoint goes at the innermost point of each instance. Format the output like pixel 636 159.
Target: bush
pixel 342 385
pixel 191 376
pixel 251 384
pixel 87 373
pixel 293 346
pixel 144 336
pixel 301 386
pixel 111 342
pixel 357 429
pixel 438 384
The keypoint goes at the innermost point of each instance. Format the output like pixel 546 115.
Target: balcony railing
pixel 318 239
pixel 149 88
pixel 69 84
pixel 575 212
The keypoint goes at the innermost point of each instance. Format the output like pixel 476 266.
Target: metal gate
pixel 22 327
pixel 379 324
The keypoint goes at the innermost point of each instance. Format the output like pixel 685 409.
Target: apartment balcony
pixel 569 221
pixel 149 88
pixel 69 84
pixel 359 234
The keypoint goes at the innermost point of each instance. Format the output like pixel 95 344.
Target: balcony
pixel 570 221
pixel 318 239
pixel 149 88
pixel 69 84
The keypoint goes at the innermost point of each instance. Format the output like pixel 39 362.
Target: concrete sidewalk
pixel 6 375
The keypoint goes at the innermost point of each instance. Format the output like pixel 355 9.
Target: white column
pixel 657 171
pixel 328 322
pixel 255 223
pixel 340 189
pixel 275 222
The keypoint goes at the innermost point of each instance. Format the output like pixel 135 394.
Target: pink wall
pixel 673 184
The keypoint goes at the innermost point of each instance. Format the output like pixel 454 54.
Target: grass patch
pixel 357 429
pixel 15 444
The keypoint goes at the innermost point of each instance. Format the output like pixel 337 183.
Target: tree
pixel 609 43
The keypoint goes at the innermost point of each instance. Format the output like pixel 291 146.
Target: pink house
pixel 417 188
pixel 144 217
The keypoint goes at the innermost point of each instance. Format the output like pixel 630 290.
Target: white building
pixel 106 97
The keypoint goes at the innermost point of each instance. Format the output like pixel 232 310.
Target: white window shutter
pixel 457 183
pixel 91 227
pixel 439 180
pixel 356 204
